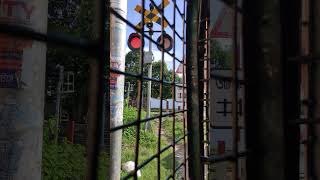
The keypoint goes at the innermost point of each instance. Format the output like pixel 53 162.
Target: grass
pixel 168 126
pixel 150 170
pixel 149 145
pixel 147 148
pixel 58 156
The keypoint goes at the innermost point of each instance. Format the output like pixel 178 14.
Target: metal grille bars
pixel 179 9
pixel 99 97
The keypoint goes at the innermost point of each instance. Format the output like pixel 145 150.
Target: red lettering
pixel 11 5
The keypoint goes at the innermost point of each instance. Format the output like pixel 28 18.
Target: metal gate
pixel 149 10
pixel 190 53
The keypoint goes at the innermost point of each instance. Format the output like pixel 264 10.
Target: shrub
pixel 147 139
pixel 61 160
pixel 64 160
pixel 167 125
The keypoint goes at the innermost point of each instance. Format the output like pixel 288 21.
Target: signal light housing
pixel 134 41
pixel 166 41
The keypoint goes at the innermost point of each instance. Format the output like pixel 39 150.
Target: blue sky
pixel 135 18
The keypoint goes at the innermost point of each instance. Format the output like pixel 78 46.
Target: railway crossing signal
pixel 151 16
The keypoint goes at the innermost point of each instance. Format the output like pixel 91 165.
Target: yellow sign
pixel 152 16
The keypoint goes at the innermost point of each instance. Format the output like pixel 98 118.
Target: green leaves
pixel 133 66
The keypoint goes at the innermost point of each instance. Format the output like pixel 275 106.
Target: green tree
pixel 73 18
pixel 167 75
pixel 133 66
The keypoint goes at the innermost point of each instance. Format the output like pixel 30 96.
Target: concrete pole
pixel 22 87
pixel 148 126
pixel 117 61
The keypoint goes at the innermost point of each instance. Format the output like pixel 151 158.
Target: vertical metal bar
pixel 207 91
pixel 203 80
pixel 235 87
pixel 140 88
pixel 149 86
pixel 316 87
pixel 202 59
pixel 174 89
pixel 290 18
pixel 192 90
pixel 201 35
pixel 161 95
pixel 250 51
pixel 305 79
pixel 96 91
pixel 184 89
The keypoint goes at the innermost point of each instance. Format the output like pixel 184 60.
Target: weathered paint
pixel 22 99
pixel 117 61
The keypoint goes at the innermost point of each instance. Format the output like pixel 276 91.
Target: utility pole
pixel 117 61
pixel 58 101
pixel 150 26
pixel 22 87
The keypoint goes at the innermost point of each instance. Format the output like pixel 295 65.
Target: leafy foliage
pixel 67 161
pixel 74 18
pixel 71 16
pixel 167 75
pixel 61 160
pixel 147 139
pixel 133 66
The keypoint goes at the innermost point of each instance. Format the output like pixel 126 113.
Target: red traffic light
pixel 134 41
pixel 166 41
